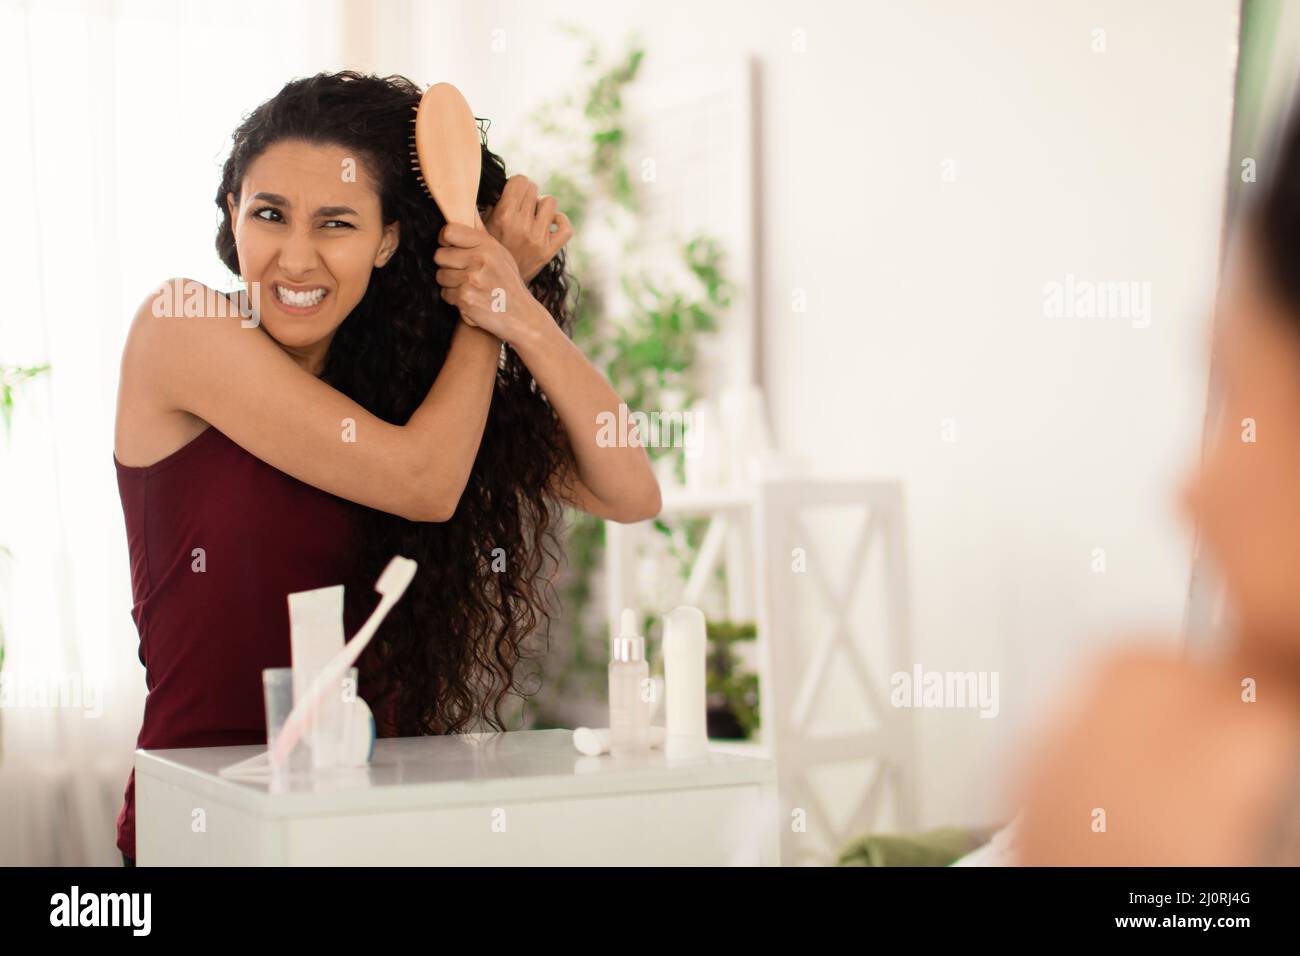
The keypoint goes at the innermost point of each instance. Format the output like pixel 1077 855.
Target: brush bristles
pixel 415 156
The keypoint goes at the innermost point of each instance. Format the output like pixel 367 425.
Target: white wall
pixel 926 304
pixel 925 296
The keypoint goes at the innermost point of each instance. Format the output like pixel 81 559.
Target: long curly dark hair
pixel 448 655
pixel 1274 210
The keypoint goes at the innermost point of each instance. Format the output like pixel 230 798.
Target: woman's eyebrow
pixel 278 200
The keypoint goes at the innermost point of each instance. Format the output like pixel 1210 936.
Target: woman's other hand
pixel 479 276
pixel 522 222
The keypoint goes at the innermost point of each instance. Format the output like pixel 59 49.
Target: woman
pixel 367 407
pixel 1167 760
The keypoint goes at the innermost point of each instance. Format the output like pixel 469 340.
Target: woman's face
pixel 1246 498
pixel 309 230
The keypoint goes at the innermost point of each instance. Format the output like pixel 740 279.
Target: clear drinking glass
pixel 277 694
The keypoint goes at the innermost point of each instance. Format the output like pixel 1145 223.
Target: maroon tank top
pixel 217 539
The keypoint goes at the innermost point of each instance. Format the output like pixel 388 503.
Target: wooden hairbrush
pixel 446 153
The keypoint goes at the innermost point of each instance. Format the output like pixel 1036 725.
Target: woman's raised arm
pixel 236 378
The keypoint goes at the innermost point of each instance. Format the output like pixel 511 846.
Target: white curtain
pixel 116 119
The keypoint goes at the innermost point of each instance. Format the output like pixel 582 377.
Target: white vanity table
pixel 515 799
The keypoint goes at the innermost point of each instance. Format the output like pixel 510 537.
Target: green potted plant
pixel 731 692
pixel 12 378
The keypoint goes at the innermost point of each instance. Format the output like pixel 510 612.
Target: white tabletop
pixel 452 770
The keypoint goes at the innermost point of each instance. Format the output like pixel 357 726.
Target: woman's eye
pixel 271 209
pixel 339 222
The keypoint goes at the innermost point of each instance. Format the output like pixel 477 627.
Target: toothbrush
pixel 392 584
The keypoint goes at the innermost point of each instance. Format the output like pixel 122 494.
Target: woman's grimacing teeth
pixel 299 299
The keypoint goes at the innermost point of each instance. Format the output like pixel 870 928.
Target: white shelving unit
pixel 753 532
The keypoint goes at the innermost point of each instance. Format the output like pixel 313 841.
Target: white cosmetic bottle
pixel 629 713
pixel 685 640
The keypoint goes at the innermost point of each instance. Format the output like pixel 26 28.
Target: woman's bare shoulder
pixel 1178 754
pixel 179 319
pixel 186 298
pixel 148 425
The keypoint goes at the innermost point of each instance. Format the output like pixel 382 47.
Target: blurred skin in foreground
pixel 1162 759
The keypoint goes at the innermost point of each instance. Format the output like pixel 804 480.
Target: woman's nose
pixel 298 254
